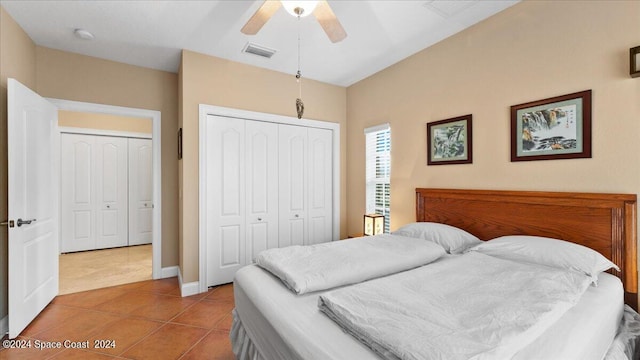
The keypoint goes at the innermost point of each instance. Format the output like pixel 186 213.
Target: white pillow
pixel 452 239
pixel 550 252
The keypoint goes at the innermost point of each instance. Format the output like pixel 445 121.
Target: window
pixel 378 171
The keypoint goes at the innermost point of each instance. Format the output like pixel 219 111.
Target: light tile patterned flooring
pixel 146 320
pixel 88 270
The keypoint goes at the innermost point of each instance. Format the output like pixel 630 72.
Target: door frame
pixel 206 110
pixel 155 116
pixel 99 132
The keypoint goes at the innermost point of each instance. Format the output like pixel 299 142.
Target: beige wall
pixel 214 81
pixel 18 61
pixel 532 51
pixel 97 121
pixel 68 76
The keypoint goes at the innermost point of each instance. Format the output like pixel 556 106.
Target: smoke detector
pixel 83 34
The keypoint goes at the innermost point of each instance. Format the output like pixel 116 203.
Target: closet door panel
pixel 77 201
pixel 230 249
pixel 111 192
pixel 140 191
pixel 320 165
pixel 292 154
pixel 261 187
pixel 225 198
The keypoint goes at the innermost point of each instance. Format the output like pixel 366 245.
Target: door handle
pixel 21 222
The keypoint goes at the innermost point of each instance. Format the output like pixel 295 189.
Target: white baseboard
pixel 170 271
pixel 4 326
pixel 188 289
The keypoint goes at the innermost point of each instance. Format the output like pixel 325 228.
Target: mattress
pixel 282 325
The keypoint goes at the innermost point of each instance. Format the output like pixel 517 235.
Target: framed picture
pixel 634 61
pixel 449 141
pixel 179 143
pixel 554 128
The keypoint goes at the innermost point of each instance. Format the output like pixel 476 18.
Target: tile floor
pixel 145 320
pixel 89 270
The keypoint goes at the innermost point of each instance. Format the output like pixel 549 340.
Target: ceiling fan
pixel 320 9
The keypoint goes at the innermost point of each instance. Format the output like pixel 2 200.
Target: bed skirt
pixel 242 345
pixel 625 346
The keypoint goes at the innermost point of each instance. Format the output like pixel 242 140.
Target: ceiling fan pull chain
pixel 299 73
pixel 299 103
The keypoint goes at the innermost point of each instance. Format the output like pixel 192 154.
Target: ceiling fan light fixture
pixel 300 8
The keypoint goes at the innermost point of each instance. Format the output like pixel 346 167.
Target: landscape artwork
pixel 549 129
pixel 449 141
pixel 555 128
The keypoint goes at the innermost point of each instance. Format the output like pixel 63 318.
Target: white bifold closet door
pixel 225 198
pixel 261 187
pixel 268 185
pixel 293 154
pixel 94 210
pixel 140 191
pixel 242 195
pixel 320 192
pixel 305 185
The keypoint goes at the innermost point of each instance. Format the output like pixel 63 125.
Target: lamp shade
pixel 373 224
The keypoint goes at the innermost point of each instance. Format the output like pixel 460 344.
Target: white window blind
pixel 378 171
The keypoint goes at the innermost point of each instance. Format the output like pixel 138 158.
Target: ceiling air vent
pixel 258 50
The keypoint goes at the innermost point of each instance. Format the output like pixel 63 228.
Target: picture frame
pixel 634 62
pixel 179 143
pixel 449 141
pixel 552 129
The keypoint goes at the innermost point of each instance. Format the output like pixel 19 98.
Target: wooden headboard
pixel 603 222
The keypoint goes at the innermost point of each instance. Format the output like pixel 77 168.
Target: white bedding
pixel 282 325
pixel 324 266
pixel 474 306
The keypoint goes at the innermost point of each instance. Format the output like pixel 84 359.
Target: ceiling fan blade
pixel 261 16
pixel 329 22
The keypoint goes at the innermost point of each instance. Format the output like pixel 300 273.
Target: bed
pixel 271 322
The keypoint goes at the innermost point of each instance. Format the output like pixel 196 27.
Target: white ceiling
pixel 152 33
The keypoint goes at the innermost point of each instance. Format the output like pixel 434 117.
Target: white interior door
pixel 112 193
pixel 140 192
pixel 225 198
pixel 77 193
pixel 262 187
pixel 33 204
pixel 292 185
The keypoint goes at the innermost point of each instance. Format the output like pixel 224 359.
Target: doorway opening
pixel 98 247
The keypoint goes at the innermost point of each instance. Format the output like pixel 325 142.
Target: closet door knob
pixel 108 206
pixel 259 219
pixel 297 215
